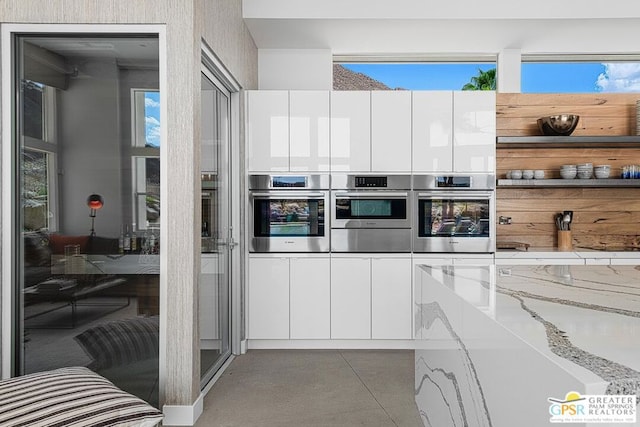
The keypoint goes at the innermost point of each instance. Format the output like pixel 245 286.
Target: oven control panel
pixel 371 181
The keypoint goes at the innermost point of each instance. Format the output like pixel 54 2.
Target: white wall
pixel 89 144
pixel 307 69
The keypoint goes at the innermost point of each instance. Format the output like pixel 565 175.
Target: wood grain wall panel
pixel 600 114
pixel 603 217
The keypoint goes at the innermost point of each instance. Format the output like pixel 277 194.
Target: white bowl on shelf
pixel 602 171
pixel 527 174
pixel 568 174
pixel 538 174
pixel 516 174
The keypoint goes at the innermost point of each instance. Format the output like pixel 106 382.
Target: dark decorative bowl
pixel 558 125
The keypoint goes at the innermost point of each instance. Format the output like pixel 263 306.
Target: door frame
pixel 7 210
pixel 214 65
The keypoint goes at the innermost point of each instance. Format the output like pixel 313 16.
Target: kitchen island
pixel 494 343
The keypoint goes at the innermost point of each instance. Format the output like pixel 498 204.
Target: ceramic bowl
pixel 538 174
pixel 527 174
pixel 568 174
pixel 516 174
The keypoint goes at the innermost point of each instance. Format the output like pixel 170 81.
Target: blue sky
pixel 152 118
pixel 578 77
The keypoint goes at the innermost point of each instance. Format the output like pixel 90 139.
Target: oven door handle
pixel 374 195
pixel 291 195
pixel 456 195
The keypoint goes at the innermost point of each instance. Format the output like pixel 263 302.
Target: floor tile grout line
pixel 368 389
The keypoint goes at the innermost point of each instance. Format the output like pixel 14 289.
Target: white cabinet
pixel 474 132
pixel 371 298
pixel 309 131
pixel 351 131
pixel 289 297
pixel 268 130
pixel 391 298
pixel 432 131
pixel 391 131
pixel 454 131
pixel 350 298
pixel 288 131
pixel 268 290
pixel 309 298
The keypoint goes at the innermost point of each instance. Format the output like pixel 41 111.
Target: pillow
pixel 121 342
pixel 73 397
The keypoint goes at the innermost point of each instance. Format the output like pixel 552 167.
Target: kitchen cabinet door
pixel 351 131
pixel 474 131
pixel 350 298
pixel 391 301
pixel 309 131
pixel 310 289
pixel 268 298
pixel 432 131
pixel 391 131
pixel 268 130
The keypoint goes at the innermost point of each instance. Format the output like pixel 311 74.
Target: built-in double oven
pixel 451 213
pixel 287 213
pixel 454 213
pixel 370 213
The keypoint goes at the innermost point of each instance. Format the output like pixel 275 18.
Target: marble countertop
pixel 584 318
pixel 553 252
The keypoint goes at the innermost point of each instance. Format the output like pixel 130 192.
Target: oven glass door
pixel 454 217
pixel 371 208
pixel 288 217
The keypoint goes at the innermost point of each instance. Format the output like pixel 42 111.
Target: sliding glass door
pixel 214 292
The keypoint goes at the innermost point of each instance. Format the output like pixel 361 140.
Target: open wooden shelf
pixel 561 183
pixel 602 141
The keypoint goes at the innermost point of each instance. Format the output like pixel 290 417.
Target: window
pixel 38 174
pixel 415 75
pixel 146 158
pixel 576 75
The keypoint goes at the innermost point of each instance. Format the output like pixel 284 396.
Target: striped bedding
pixel 121 342
pixel 71 397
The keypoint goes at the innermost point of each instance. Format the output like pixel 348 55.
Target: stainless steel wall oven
pixel 287 213
pixel 370 213
pixel 454 213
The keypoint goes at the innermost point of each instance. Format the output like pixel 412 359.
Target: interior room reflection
pixel 87 293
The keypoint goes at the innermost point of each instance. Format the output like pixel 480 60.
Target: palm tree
pixel 485 80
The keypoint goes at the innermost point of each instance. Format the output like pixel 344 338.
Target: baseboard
pixel 183 415
pixel 332 344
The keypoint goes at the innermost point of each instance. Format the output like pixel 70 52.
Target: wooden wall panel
pixel 603 217
pixel 600 114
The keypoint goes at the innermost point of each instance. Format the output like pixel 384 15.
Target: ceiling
pixel 143 49
pixel 418 27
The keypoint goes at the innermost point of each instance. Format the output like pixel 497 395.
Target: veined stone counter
pixel 577 256
pixel 494 343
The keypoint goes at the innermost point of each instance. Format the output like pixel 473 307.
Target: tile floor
pixel 314 388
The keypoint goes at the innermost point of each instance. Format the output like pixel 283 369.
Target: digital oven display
pixel 453 182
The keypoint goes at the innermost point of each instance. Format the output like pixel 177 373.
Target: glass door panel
pixel 214 313
pixel 82 296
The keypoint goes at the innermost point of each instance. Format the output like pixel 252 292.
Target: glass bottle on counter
pixel 134 239
pixel 127 240
pixel 121 241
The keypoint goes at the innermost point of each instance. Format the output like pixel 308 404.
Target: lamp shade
pixel 95 201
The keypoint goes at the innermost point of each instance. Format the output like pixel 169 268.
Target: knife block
pixel 564 240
